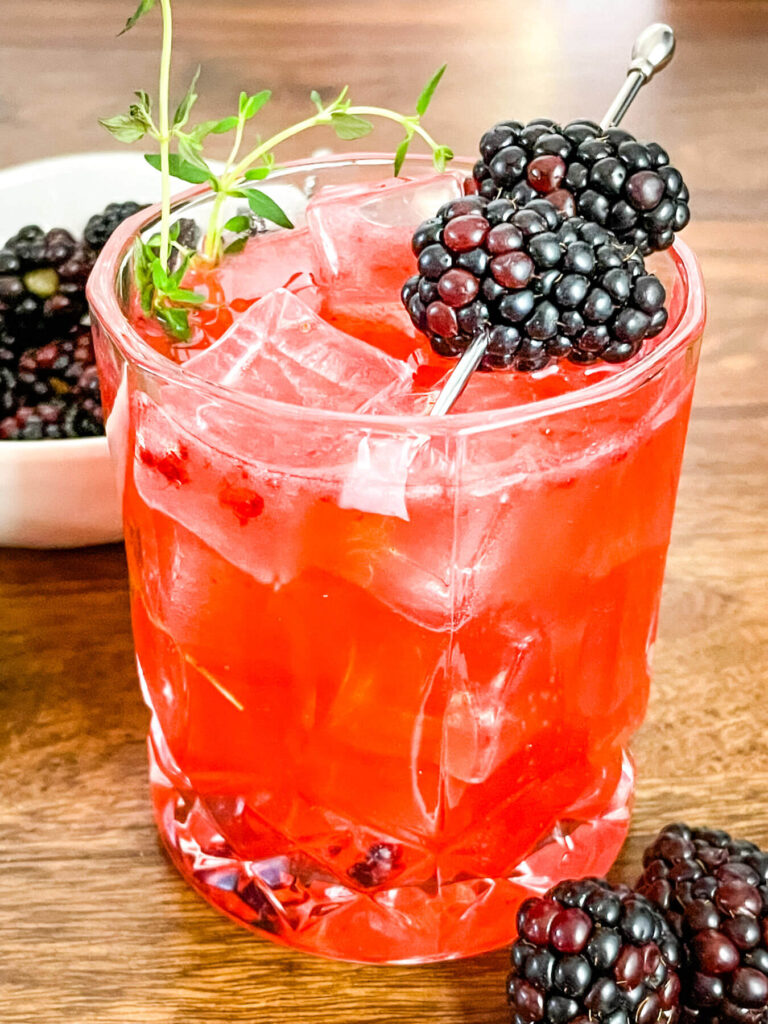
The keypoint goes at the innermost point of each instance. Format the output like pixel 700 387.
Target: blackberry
pixel 49 385
pixel 265 916
pixel 42 284
pixel 43 277
pixel 604 175
pixel 101 225
pixel 590 951
pixel 381 861
pixel 51 391
pixel 545 287
pixel 714 891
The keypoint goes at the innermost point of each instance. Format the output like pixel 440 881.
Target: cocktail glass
pixel 385 711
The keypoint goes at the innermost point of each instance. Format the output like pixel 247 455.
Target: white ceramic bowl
pixel 60 494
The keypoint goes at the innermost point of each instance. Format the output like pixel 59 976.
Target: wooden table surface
pixel 95 926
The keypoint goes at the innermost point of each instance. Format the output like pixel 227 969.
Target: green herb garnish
pixel 160 284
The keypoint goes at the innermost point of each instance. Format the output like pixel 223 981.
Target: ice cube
pixel 377 479
pixel 215 498
pixel 493 697
pixel 434 568
pixel 363 234
pixel 271 260
pixel 363 240
pixel 281 349
pixel 401 400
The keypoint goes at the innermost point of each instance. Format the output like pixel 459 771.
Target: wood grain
pixel 94 924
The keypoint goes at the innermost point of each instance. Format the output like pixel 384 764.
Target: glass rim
pixel 103 300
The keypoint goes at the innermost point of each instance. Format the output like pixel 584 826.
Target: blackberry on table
pixel 589 951
pixel 714 891
pixel 606 176
pixel 544 286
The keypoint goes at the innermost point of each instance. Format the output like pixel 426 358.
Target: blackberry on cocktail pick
pixel 592 952
pixel 605 175
pixel 540 286
pixel 652 51
pixel 598 171
pixel 714 892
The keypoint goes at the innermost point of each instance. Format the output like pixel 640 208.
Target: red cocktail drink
pixel 393 660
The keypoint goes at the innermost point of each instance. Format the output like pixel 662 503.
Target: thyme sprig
pixel 160 285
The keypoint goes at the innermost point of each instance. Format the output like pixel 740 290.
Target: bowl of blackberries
pixel 56 482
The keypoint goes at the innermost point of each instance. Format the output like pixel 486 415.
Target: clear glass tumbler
pixel 375 732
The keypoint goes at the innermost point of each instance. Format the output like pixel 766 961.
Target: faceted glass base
pixel 288 895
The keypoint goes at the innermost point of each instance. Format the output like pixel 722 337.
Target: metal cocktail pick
pixel 652 51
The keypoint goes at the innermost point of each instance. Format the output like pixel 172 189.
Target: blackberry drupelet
pixel 544 286
pixel 714 892
pixel 606 176
pixel 589 951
